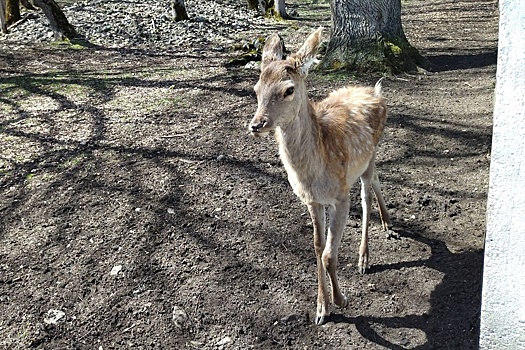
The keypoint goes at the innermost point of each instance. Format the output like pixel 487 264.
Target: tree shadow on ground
pixel 455 302
pixel 455 61
pixel 159 229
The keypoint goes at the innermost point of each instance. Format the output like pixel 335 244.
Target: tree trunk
pixel 264 7
pixel 3 24
pixel 57 20
pixel 12 11
pixel 280 10
pixel 28 5
pixel 368 35
pixel 178 10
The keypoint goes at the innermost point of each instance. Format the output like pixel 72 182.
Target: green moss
pixel 73 44
pixel 274 15
pixel 396 50
pixel 337 65
pixel 387 55
pixel 337 76
pixel 76 47
pixel 60 43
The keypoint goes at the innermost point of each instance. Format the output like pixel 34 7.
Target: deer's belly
pixel 323 187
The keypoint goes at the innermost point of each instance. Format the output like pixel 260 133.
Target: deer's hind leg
pixel 366 203
pixel 369 179
pixel 383 212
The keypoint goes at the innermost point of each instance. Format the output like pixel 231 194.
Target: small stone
pixel 115 270
pixel 224 341
pixel 179 316
pixel 53 316
pixel 251 65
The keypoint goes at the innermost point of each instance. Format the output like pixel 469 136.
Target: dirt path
pixel 139 163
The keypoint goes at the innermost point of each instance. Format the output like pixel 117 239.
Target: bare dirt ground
pixel 140 161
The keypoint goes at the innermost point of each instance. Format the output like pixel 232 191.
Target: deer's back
pixel 351 121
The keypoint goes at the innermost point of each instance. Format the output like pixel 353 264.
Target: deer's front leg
pixel 338 217
pixel 323 301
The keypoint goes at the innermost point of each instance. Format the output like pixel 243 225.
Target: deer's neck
pixel 299 143
pixel 301 149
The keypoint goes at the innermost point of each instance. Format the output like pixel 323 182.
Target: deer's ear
pixel 273 50
pixel 305 57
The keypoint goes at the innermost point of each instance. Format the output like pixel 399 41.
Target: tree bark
pixel 368 35
pixel 28 5
pixel 264 7
pixel 178 10
pixel 12 11
pixel 280 10
pixel 57 20
pixel 3 24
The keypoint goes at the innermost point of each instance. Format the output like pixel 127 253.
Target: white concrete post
pixel 503 295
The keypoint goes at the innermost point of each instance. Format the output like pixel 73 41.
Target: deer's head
pixel 281 89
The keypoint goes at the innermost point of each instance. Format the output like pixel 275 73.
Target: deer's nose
pixel 255 127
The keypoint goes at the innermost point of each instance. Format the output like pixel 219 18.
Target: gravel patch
pixel 146 25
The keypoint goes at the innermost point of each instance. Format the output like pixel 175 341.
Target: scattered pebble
pixel 179 316
pixel 224 341
pixel 147 24
pixel 53 316
pixel 115 270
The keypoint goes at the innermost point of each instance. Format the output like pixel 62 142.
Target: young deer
pixel 324 147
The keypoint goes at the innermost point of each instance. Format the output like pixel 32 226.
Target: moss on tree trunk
pixel 392 55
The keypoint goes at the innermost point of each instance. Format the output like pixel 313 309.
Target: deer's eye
pixel 289 91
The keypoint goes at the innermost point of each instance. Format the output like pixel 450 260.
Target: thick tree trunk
pixel 12 11
pixel 264 7
pixel 28 5
pixel 62 29
pixel 280 10
pixel 368 35
pixel 57 20
pixel 178 10
pixel 3 24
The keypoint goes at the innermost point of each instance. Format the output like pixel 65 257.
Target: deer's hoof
pixel 344 303
pixel 321 319
pixel 362 269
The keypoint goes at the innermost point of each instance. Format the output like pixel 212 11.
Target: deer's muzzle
pixel 258 126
